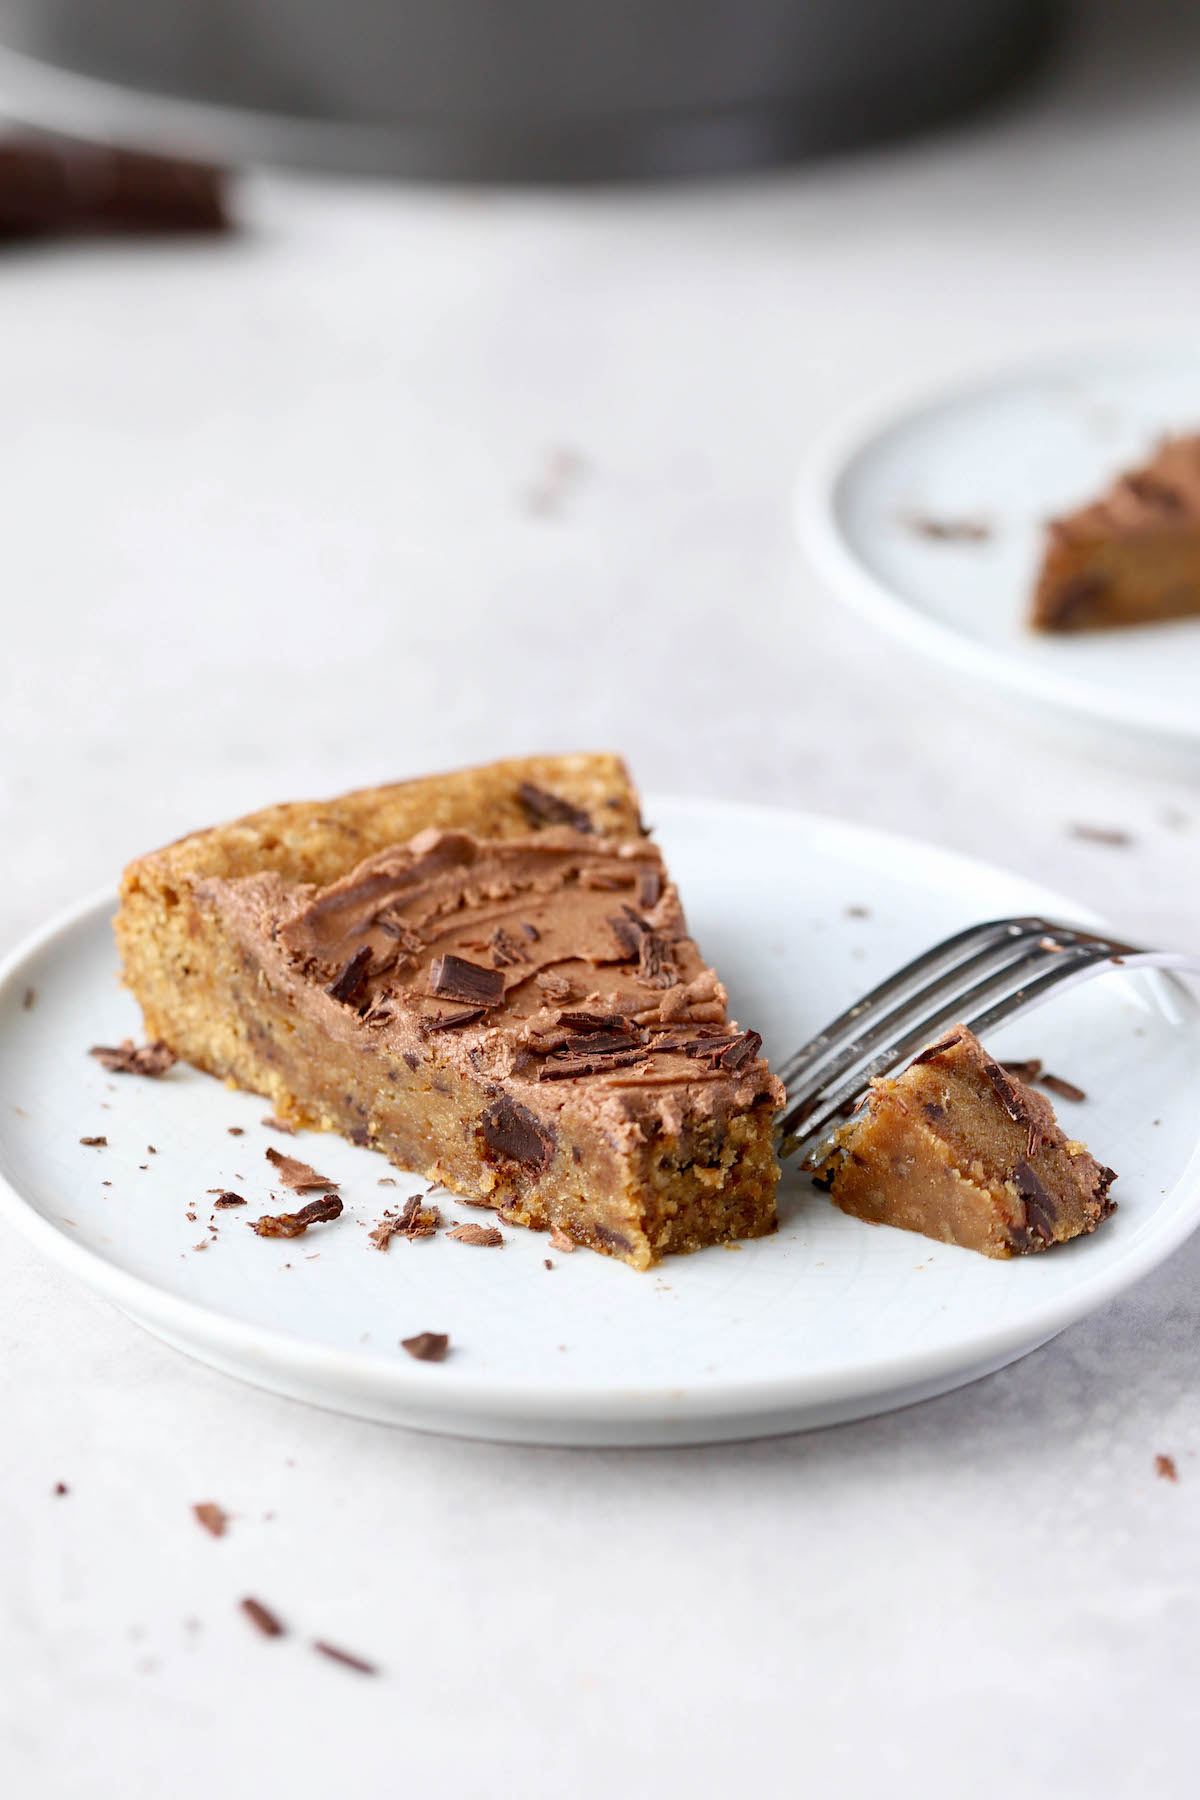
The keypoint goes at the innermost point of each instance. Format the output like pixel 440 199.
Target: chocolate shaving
pixel 586 1021
pixel 427 1346
pixel 656 965
pixel 566 1068
pixel 454 978
pixel 94 1143
pixel 351 979
pixel 407 940
pixel 225 1200
pixel 235 1131
pixel 128 1058
pixel 1030 1070
pixel 1006 1091
pixel 513 1131
pixel 542 808
pixel 449 1021
pixel 51 185
pixel 600 1043
pixel 262 1618
pixel 414 1220
pixel 296 1175
pixel 344 1657
pixel 742 1050
pixel 1066 1090
pixel 948 531
pixel 931 1050
pixel 1102 834
pixel 505 949
pixel 629 932
pixel 1040 1208
pixel 485 1235
pixel 649 887
pixel 290 1225
pixel 211 1516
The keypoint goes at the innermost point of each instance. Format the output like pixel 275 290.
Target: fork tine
pixel 1001 993
pixel 1069 957
pixel 926 967
pixel 870 1024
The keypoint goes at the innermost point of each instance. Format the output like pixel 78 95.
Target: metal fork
pixel 981 977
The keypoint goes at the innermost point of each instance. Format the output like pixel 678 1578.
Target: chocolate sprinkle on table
pixel 427 1346
pixel 486 1236
pixel 344 1657
pixel 61 1488
pixel 128 1058
pixel 94 1143
pixel 295 1174
pixel 1102 834
pixel 1066 1090
pixel 235 1131
pixel 261 1617
pixel 213 1517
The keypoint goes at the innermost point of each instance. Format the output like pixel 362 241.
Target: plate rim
pixel 506 1397
pixel 816 525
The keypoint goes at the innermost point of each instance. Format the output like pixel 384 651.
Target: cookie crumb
pixel 289 1225
pixel 1164 1467
pixel 427 1346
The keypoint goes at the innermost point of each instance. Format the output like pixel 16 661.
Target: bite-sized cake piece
pixel 1132 556
pixel 485 975
pixel 959 1149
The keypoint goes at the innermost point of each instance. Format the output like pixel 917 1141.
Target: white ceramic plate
pixel 831 1319
pixel 1008 453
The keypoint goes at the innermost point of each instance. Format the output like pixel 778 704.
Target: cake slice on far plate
pixel 959 1149
pixel 485 975
pixel 1131 557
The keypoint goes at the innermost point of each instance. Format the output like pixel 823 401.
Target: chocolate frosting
pixel 556 967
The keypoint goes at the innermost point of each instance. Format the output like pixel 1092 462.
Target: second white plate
pixel 830 1319
pixel 1006 454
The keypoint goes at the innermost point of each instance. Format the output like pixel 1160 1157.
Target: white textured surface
pixel 264 533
